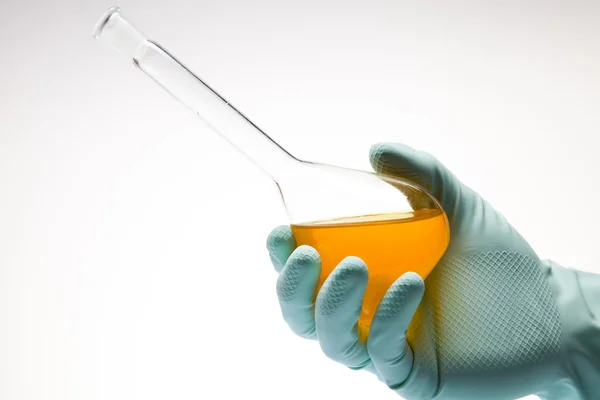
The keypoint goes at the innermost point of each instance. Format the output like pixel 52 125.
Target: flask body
pixel 392 225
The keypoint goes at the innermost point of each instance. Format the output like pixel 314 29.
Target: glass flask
pixel 392 224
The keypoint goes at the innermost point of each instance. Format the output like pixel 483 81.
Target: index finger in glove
pixel 280 244
pixel 296 286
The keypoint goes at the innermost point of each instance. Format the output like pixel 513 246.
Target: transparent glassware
pixel 394 225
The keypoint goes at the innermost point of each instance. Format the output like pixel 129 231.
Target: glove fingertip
pixel 402 298
pixel 306 255
pixel 301 273
pixel 280 245
pixel 280 234
pixel 413 279
pixel 348 280
pixel 380 153
pixel 353 268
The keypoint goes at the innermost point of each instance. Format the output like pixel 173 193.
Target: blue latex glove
pixel 492 321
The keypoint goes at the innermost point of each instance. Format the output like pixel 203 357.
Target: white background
pixel 132 241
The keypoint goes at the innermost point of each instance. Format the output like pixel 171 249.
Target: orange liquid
pixel 390 245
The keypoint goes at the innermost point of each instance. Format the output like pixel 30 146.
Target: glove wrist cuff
pixel 577 294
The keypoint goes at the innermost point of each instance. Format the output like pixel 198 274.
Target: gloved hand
pixel 492 321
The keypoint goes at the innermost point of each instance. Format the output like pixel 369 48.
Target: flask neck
pixel 252 142
pixel 218 114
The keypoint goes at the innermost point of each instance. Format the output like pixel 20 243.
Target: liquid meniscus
pixel 390 245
